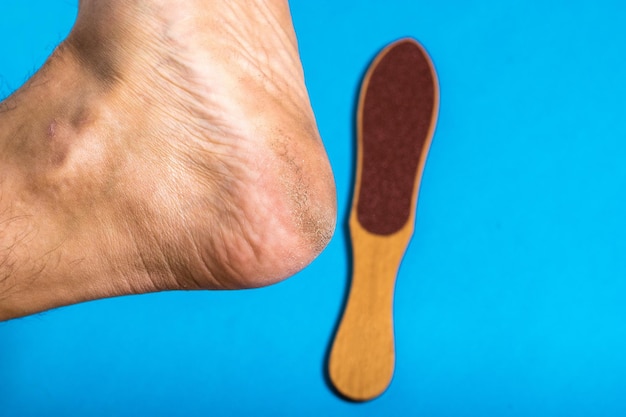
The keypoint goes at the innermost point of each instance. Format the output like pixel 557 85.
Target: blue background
pixel 511 300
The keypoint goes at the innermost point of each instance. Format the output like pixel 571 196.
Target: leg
pixel 164 145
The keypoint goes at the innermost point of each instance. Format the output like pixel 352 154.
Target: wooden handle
pixel 362 358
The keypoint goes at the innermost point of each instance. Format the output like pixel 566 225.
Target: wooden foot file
pixel 395 123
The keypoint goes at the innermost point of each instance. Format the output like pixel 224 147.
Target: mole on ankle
pixel 57 146
pixel 52 129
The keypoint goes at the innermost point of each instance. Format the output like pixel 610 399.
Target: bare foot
pixel 164 145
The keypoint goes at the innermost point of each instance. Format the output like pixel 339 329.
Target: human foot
pixel 164 145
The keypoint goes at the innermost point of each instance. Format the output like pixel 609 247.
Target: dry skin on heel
pixel 395 122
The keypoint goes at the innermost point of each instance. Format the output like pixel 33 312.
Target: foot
pixel 164 145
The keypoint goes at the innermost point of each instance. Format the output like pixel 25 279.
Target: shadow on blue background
pixel 512 295
pixel 344 228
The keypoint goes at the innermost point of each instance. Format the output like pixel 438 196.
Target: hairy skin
pixel 164 145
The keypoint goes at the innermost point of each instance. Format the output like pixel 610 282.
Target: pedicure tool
pixel 396 119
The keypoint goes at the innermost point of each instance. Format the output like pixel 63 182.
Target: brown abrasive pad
pixel 396 114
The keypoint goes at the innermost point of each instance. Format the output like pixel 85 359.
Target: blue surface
pixel 511 300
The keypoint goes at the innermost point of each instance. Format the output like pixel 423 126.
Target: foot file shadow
pixel 345 228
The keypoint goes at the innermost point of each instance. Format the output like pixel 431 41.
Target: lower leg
pixel 164 145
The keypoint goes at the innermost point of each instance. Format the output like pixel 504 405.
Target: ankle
pixel 164 157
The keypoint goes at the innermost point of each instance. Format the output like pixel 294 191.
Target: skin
pixel 165 145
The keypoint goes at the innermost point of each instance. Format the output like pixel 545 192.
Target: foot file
pixel 395 123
